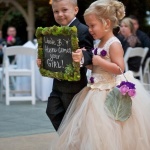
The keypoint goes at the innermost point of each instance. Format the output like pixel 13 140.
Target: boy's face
pixel 64 11
pixel 135 24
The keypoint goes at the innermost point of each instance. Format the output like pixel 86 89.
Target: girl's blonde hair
pixel 107 9
pixel 128 22
pixel 74 2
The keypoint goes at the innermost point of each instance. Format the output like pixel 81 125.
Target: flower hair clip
pixel 103 52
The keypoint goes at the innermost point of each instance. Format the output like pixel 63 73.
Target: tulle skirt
pixel 86 126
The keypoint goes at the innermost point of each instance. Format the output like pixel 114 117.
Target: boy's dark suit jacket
pixel 85 40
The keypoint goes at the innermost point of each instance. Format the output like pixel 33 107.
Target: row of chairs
pixel 9 72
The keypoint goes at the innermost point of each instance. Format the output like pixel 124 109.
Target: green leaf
pixel 118 106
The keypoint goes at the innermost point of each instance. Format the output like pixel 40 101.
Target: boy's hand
pixel 38 61
pixel 77 55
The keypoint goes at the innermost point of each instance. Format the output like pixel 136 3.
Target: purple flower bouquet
pixel 127 88
pixel 118 102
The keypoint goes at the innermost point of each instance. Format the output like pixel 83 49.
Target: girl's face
pixel 125 30
pixel 96 27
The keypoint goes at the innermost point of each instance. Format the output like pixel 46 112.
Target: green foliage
pixel 45 31
pixel 72 71
pixel 38 33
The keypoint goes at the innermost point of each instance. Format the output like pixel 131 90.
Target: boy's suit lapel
pixel 76 22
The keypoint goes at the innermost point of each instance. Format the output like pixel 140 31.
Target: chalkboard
pixel 57 52
pixel 55 47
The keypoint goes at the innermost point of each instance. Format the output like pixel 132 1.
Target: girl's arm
pixel 116 56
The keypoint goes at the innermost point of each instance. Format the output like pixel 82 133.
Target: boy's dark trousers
pixel 63 91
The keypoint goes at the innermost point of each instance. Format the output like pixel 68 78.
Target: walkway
pixel 24 126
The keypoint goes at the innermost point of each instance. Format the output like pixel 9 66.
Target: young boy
pixel 65 12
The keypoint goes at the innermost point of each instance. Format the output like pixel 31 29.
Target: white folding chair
pixel 21 72
pixel 132 52
pixel 1 82
pixel 146 73
pixel 2 78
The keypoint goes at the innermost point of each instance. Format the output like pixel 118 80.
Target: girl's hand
pixel 38 61
pixel 96 60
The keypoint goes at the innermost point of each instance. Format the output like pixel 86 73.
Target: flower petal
pixel 131 92
pixel 124 89
pixel 92 79
pixel 103 53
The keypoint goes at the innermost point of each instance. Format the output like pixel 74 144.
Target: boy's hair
pixel 74 2
pixel 128 22
pixel 107 9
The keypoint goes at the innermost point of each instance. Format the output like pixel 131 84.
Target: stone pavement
pixel 24 126
pixel 30 142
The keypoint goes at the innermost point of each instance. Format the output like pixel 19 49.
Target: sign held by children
pixel 57 52
pixel 55 47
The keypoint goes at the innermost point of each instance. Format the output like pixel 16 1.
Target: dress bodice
pixel 100 78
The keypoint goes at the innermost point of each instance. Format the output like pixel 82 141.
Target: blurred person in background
pixel 2 43
pixel 128 38
pixel 12 39
pixel 143 37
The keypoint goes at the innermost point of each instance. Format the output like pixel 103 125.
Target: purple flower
pixel 95 51
pixel 130 85
pixel 124 89
pixel 92 79
pixel 131 92
pixel 122 83
pixel 103 53
pixel 127 88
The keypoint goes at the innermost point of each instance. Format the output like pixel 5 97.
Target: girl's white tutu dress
pixel 87 126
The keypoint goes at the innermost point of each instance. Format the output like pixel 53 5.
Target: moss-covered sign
pixel 55 47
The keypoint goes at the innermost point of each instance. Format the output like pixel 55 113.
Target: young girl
pixel 89 123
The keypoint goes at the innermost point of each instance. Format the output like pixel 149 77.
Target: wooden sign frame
pixel 71 72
